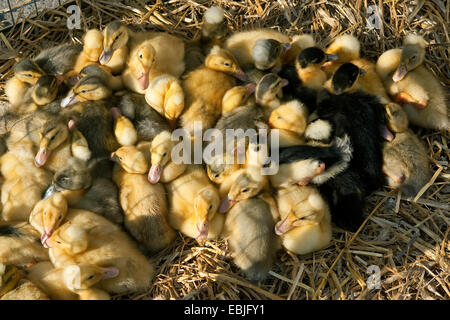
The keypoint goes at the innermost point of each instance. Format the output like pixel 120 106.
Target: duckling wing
pixel 59 59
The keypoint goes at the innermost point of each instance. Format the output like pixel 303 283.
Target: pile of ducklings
pixel 89 190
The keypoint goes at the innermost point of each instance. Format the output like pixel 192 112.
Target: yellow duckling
pixel 346 48
pixel 79 145
pixel 124 131
pixel 290 119
pixel 131 159
pixel 205 87
pixel 13 285
pixel 92 49
pixel 160 54
pixel 410 83
pixel 298 44
pixel 305 224
pixel 165 95
pixel 87 89
pixel 236 97
pixel 193 202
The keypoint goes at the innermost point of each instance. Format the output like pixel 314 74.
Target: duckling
pixel 87 89
pixel 261 48
pixel 236 97
pixel 290 119
pixel 145 210
pixel 305 224
pixel 193 203
pixel 269 91
pixel 220 167
pixel 165 95
pixel 78 144
pixel 93 294
pixel 205 87
pixel 131 159
pixel 160 54
pixel 58 60
pixel 92 49
pixel 214 27
pixel 113 82
pixel 410 83
pixel 20 244
pixel 23 290
pixel 10 276
pixel 163 168
pixel 124 130
pixel 308 65
pixel 298 44
pixel 105 245
pixel 48 214
pixel 405 159
pixel 346 48
pixel 249 229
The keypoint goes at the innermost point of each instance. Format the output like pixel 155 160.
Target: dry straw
pixel 407 240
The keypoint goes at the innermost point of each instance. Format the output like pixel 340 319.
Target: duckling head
pixel 346 47
pixel 52 134
pixel 412 56
pixel 214 23
pixel 160 151
pixel 345 78
pixel 48 214
pixel 84 276
pixel 297 219
pixel 244 187
pixel 45 90
pixel 223 60
pixel 312 56
pixel 206 203
pixel 93 44
pixel 396 118
pixel 28 71
pixel 141 62
pixel 269 88
pixel 70 238
pixel 236 96
pixel 221 166
pixel 266 52
pixel 74 175
pixel 9 277
pixel 131 159
pixel 88 88
pixel 115 36
pixel 291 116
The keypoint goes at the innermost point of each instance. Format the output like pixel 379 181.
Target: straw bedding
pixel 407 240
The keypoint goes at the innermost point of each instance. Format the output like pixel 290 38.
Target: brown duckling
pixel 269 91
pixel 410 83
pixel 405 158
pixel 205 87
pixel 113 82
pixel 89 88
pixel 249 231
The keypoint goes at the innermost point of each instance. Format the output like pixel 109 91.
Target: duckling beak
pixel 202 228
pixel 241 75
pixel 226 204
pixel 42 156
pixel 105 56
pixel 44 240
pixel 71 125
pixel 400 73
pixel 69 100
pixel 329 58
pixel 110 272
pixel 284 82
pixel 284 225
pixel 143 79
pixel 154 174
pixel 387 134
pixel 50 190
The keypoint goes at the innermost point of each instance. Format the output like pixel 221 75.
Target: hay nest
pixel 406 240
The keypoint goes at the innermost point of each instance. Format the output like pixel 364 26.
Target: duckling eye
pixel 120 158
pixel 141 56
pixel 58 241
pixel 245 190
pixel 217 175
pixel 83 91
pixel 59 217
pixel 90 277
pixel 227 64
pixel 164 154
pixel 279 118
pixel 117 37
pixel 29 75
pixel 210 207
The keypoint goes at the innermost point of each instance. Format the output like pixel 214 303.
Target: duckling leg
pixel 406 98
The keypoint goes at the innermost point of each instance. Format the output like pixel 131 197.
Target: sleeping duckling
pixel 236 97
pixel 305 224
pixel 160 54
pixel 205 87
pixel 87 89
pixel 405 158
pixel 290 119
pixel 269 91
pixel 124 130
pixel 261 48
pixel 113 82
pixel 20 244
pixel 193 203
pixel 249 229
pixel 102 244
pixel 145 209
pixel 410 83
pixel 131 159
pixel 308 65
pixel 165 95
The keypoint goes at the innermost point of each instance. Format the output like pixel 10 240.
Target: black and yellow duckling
pixel 89 88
